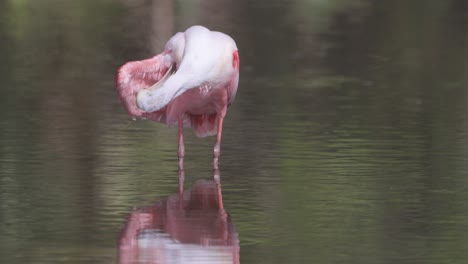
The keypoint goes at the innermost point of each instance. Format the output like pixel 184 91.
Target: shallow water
pixel 347 142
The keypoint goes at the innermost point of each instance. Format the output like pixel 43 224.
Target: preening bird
pixel 191 83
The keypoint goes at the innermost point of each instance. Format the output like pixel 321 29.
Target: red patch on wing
pixel 235 59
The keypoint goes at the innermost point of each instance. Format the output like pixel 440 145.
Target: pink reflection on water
pixel 189 227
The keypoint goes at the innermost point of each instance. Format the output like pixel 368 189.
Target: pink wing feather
pixel 135 76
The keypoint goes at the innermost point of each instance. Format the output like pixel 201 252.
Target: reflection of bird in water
pixel 188 227
pixel 191 83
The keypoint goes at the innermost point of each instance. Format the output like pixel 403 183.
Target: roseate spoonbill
pixel 191 84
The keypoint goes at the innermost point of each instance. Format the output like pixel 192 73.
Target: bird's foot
pixel 181 164
pixel 216 154
pixel 181 152
pixel 181 155
pixel 215 164
pixel 216 151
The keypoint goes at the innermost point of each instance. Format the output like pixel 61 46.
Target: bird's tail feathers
pixel 204 125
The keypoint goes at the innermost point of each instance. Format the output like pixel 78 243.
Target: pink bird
pixel 191 83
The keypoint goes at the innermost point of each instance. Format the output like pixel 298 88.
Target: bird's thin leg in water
pixel 217 147
pixel 181 186
pixel 181 151
pixel 219 192
pixel 222 212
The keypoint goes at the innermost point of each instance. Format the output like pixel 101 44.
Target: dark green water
pixel 347 143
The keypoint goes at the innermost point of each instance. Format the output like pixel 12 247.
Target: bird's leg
pixel 217 146
pixel 181 174
pixel 181 187
pixel 181 151
pixel 222 212
pixel 219 193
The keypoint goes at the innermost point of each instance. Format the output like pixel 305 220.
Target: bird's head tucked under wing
pixel 196 57
pixel 135 76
